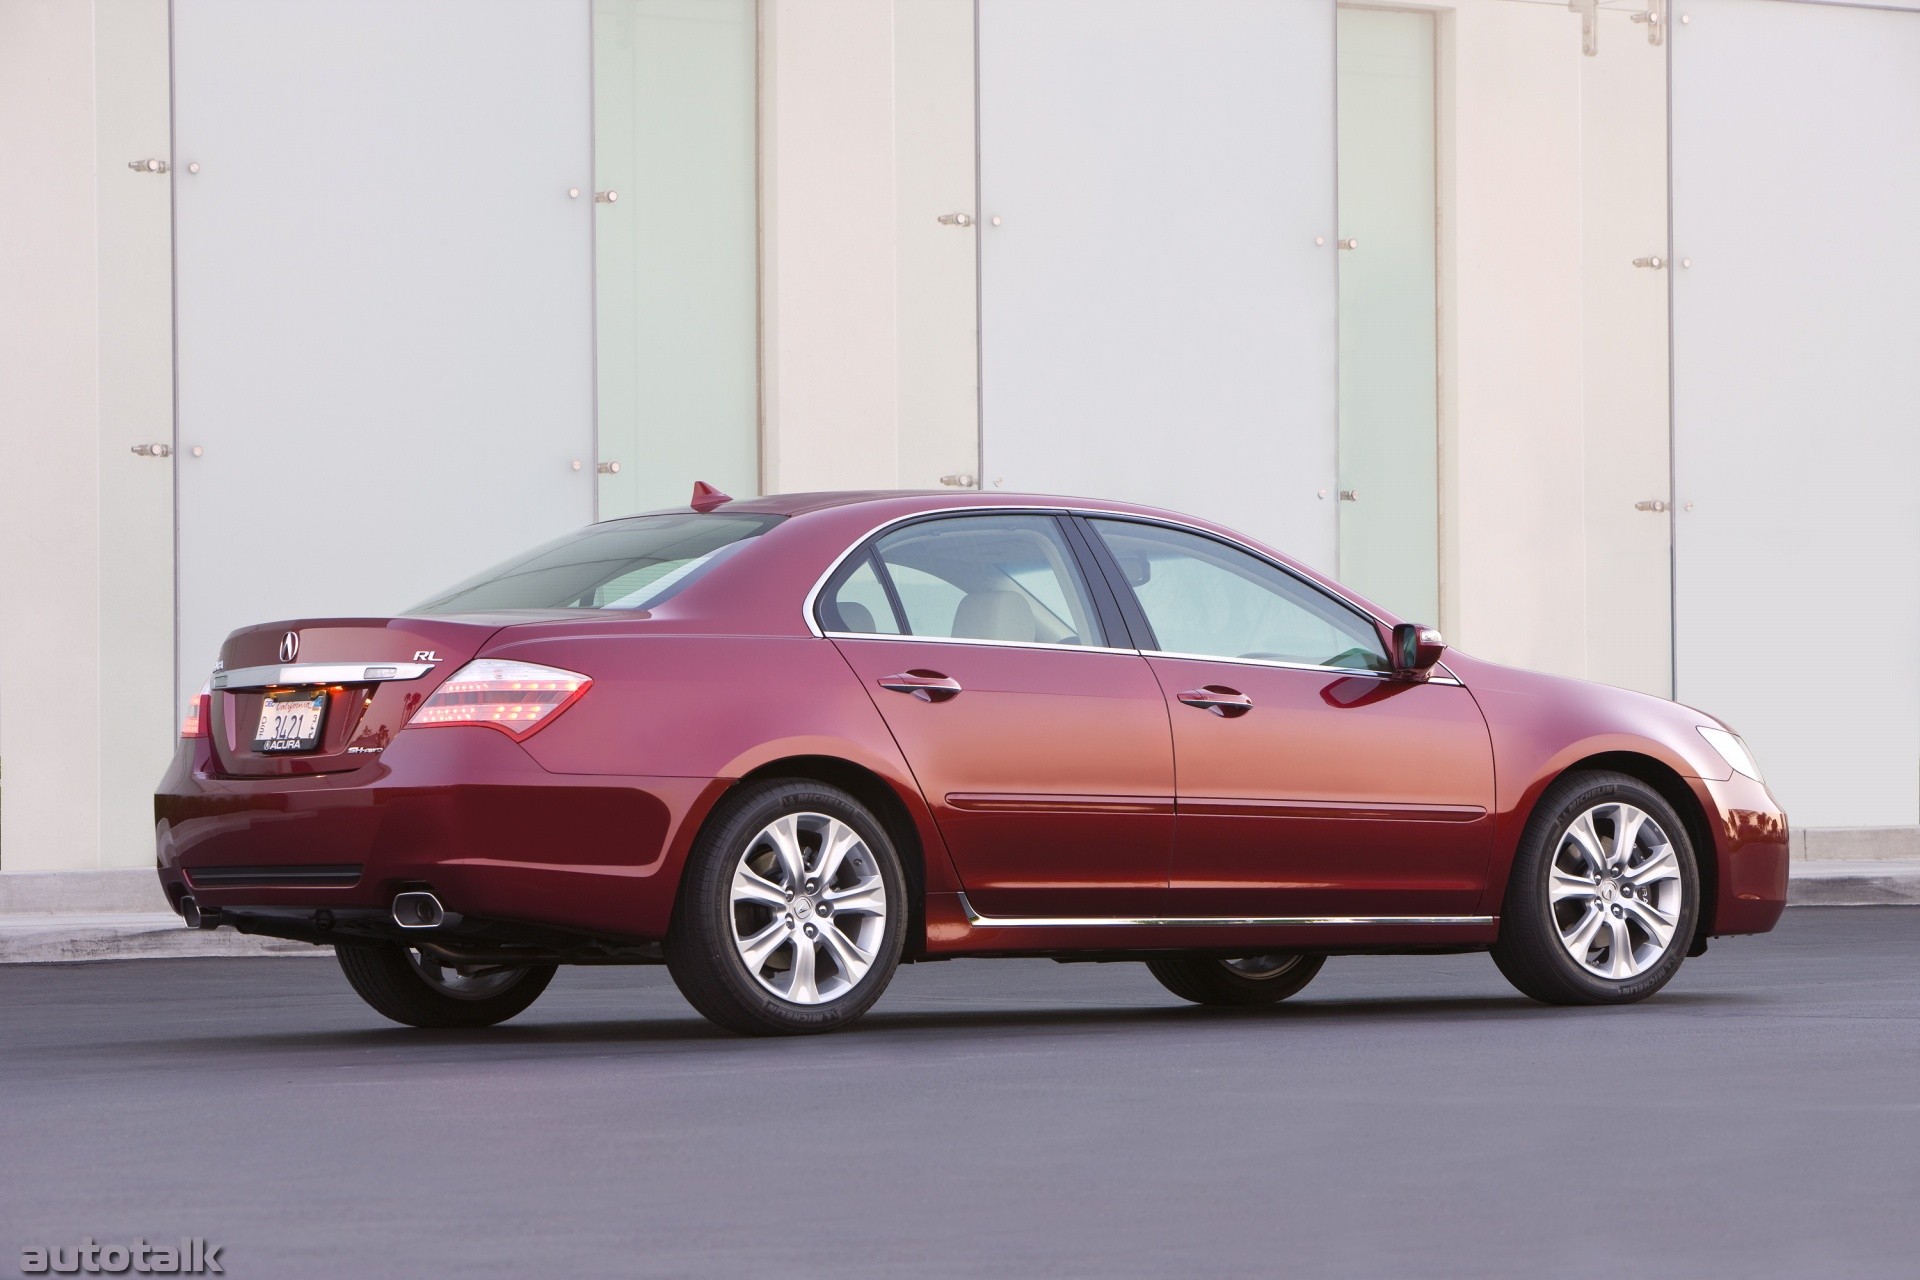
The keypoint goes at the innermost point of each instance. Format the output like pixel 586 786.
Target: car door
pixel 1045 755
pixel 1311 781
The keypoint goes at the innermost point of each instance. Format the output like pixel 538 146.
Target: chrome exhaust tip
pixel 196 918
pixel 418 910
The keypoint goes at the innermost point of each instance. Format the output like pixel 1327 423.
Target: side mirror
pixel 1416 649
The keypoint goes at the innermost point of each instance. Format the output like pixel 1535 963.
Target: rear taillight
pixel 194 723
pixel 513 697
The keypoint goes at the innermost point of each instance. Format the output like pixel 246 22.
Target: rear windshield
pixel 622 564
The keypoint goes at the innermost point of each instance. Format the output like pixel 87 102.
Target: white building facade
pixel 1585 332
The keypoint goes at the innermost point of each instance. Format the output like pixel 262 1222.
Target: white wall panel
pixel 1157 321
pixel 829 369
pixel 1796 174
pixel 139 719
pixel 50 515
pixel 383 298
pixel 1623 384
pixel 935 267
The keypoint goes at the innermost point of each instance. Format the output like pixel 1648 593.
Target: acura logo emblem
pixel 290 646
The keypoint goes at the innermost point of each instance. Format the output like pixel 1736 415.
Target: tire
pixel 1637 927
pixel 1254 980
pixel 409 987
pixel 759 944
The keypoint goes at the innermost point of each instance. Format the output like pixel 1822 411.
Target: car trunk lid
pixel 365 676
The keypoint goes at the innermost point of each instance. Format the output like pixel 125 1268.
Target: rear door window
pixel 1007 578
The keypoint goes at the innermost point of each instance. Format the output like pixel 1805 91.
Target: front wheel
pixel 792 913
pixel 1248 980
pixel 1603 897
pixel 410 986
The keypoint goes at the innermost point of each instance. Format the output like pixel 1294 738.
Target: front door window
pixel 1205 598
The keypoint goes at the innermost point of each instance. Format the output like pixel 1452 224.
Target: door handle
pixel 928 686
pixel 1218 699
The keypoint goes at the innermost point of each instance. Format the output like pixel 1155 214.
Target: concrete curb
pixel 48 937
pixel 1854 884
pixel 98 891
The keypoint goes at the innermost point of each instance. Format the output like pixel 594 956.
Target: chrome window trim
pixel 996 644
pixel 1269 662
pixel 1337 594
pixel 809 607
pixel 978 920
pixel 1448 678
pixel 316 673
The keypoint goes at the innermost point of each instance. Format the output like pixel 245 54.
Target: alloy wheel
pixel 466 982
pixel 1263 966
pixel 809 908
pixel 1615 891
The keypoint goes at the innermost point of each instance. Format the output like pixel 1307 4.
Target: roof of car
pixel 794 504
pixel 836 533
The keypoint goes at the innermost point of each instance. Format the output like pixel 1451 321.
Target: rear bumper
pixel 1750 837
pixel 466 814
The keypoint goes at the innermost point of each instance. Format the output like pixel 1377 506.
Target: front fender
pixel 1541 726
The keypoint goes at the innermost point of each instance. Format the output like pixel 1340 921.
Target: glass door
pixel 676 250
pixel 1389 393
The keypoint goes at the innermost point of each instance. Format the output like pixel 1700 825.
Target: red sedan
pixel 784 745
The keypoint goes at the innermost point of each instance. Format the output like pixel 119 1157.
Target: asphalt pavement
pixel 1403 1116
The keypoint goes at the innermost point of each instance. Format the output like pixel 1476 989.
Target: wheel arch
pixel 881 798
pixel 1675 790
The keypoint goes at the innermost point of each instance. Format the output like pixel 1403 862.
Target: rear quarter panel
pixel 716 707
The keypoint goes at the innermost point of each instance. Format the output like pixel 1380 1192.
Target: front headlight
pixel 1733 750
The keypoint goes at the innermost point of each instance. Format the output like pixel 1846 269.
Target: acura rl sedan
pixel 785 745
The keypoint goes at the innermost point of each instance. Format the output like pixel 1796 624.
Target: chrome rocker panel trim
pixel 979 921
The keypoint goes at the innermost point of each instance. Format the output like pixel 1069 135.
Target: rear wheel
pixel 1247 980
pixel 1603 897
pixel 792 913
pixel 410 986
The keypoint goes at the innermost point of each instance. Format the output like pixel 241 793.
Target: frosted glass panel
pixel 676 251
pixel 1389 496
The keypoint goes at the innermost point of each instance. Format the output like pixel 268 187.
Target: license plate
pixel 290 720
